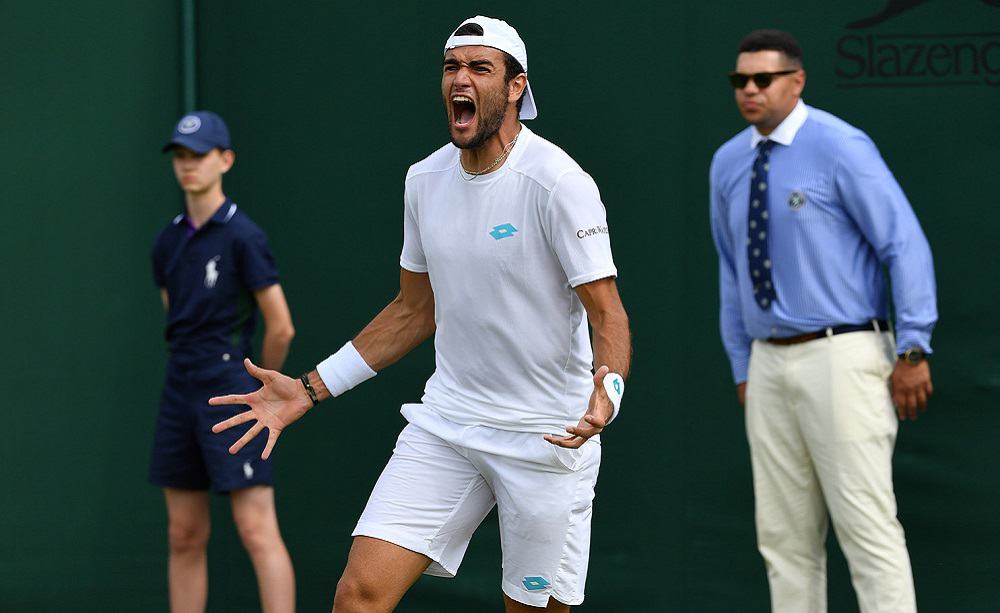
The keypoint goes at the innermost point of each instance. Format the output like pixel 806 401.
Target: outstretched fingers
pixel 246 438
pixel 272 438
pixel 229 399
pixel 261 374
pixel 236 420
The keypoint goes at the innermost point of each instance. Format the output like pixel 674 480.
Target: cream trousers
pixel 822 427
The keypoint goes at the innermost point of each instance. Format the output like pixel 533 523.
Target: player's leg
pixel 189 526
pixel 420 517
pixel 545 503
pixel 790 511
pixel 257 522
pixel 377 576
pixel 853 435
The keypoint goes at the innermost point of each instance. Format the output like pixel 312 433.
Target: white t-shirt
pixel 504 251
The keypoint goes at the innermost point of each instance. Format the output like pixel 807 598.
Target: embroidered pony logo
pixel 212 272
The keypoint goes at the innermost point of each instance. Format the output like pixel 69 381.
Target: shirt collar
pixel 785 133
pixel 225 212
pixel 221 216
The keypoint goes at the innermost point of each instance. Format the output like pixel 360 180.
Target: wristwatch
pixel 913 356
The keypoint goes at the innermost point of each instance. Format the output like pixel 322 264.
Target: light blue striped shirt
pixel 836 216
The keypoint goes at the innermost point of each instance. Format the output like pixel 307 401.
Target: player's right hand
pixel 593 422
pixel 279 402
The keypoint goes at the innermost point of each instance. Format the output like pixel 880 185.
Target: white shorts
pixel 444 478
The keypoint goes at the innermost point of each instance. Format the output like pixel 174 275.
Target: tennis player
pixel 506 257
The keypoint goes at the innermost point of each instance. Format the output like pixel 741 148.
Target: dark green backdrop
pixel 329 103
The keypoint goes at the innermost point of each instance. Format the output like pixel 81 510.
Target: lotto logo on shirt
pixel 504 230
pixel 592 231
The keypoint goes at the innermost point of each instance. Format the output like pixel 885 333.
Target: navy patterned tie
pixel 757 252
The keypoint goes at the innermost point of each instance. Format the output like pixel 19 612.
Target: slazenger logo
pixel 895 7
pixel 591 231
pixel 916 59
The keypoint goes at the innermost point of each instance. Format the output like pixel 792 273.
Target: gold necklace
pixel 504 153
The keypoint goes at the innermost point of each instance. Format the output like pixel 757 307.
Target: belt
pixel 875 325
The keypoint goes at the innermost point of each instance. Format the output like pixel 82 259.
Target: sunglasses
pixel 761 79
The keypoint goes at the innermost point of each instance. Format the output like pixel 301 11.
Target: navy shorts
pixel 186 453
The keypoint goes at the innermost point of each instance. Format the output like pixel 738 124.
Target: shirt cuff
pixel 740 366
pixel 908 339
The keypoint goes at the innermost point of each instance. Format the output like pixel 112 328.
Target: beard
pixel 490 115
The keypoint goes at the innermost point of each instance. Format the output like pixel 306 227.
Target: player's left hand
pixel 599 412
pixel 280 401
pixel 911 387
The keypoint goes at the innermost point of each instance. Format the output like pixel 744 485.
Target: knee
pixel 869 533
pixel 187 537
pixel 808 541
pixel 356 594
pixel 257 535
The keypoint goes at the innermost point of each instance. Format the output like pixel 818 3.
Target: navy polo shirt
pixel 210 275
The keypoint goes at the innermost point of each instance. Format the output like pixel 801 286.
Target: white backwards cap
pixel 499 35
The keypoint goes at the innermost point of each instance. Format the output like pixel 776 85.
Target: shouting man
pixel 506 258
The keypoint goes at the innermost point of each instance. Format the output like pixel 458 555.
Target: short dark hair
pixel 772 40
pixel 511 66
pixel 469 29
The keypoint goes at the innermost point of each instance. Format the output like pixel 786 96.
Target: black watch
pixel 913 356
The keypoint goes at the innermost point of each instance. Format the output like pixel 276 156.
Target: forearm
pixel 275 347
pixel 612 342
pixel 914 296
pixel 393 333
pixel 278 328
pixel 735 339
pixel 737 345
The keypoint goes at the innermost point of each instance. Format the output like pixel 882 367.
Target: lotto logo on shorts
pixel 535 583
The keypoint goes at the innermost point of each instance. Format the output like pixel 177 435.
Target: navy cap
pixel 200 131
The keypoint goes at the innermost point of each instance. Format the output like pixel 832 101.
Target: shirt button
pixel 225 357
pixel 774 329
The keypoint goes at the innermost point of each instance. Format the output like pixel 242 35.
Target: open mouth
pixel 463 110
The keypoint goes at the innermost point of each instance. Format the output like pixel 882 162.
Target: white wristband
pixel 614 385
pixel 344 370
